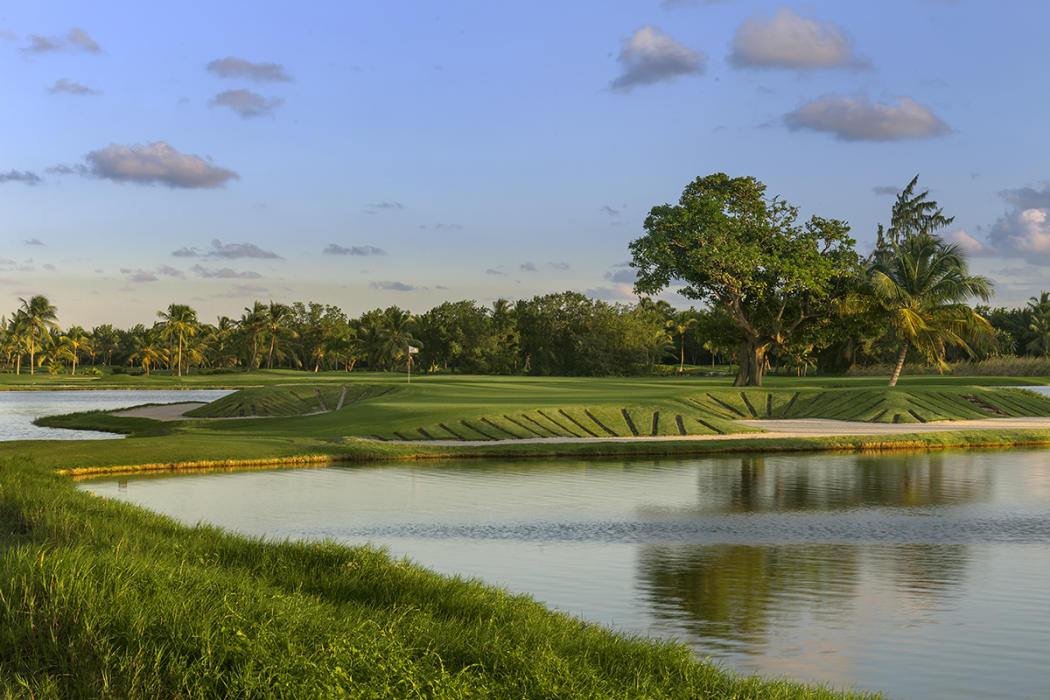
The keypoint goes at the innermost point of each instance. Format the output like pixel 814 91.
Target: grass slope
pixel 101 598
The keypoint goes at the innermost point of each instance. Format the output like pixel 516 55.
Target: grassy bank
pixel 102 598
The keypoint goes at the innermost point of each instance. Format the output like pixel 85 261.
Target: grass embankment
pixel 101 598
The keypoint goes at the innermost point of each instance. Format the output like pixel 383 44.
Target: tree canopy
pixel 728 244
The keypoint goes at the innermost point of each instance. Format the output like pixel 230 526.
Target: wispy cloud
pixel 559 265
pixel 528 267
pixel 35 241
pixel 858 119
pixel 391 286
pixel 24 176
pixel 238 291
pixel 384 206
pixel 138 275
pixel 611 211
pixel 63 85
pixel 885 190
pixel 76 40
pixel 156 163
pixel 495 272
pixel 225 273
pixel 246 104
pixel 650 56
pixel 676 4
pixel 365 250
pixel 231 67
pixel 787 40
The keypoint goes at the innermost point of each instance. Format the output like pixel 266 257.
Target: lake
pixel 18 409
pixel 921 575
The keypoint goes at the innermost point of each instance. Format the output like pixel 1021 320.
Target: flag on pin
pixel 413 350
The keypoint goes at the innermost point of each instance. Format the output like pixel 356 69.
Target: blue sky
pixel 373 154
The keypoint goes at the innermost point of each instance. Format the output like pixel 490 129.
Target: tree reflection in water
pixel 735 596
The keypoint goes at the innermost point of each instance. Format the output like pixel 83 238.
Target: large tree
pixel 728 244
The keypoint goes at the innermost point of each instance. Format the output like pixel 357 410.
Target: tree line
pixel 777 295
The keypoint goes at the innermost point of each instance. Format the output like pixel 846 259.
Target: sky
pixel 376 154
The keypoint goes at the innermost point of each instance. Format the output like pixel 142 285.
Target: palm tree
pixel 178 321
pixel 40 317
pixel 76 340
pixel 1040 325
pixel 16 339
pixel 397 334
pixel 680 324
pixel 149 354
pixel 922 287
pixel 251 323
pixel 277 317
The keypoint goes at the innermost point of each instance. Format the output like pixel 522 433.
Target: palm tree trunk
pixel 269 359
pixel 681 356
pixel 32 356
pixel 180 354
pixel 900 364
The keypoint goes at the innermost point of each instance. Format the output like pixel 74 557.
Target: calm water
pixel 924 576
pixel 19 408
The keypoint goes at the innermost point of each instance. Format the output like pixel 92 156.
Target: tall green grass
pixel 103 599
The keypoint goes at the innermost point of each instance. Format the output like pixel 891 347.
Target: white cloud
pixel 156 163
pixel 787 40
pixel 967 243
pixel 858 119
pixel 1024 230
pixel 231 67
pixel 651 56
pixel 246 103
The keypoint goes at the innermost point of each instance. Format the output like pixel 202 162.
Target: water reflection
pixel 733 595
pixel 766 484
pixel 921 575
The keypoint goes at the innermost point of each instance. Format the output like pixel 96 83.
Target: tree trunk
pixel 752 359
pixel 681 356
pixel 269 359
pixel 900 364
pixel 180 354
pixel 18 364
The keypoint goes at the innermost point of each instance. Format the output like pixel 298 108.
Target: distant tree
pixel 277 318
pixel 40 318
pixel 730 245
pixel 1040 325
pixel 149 354
pixel 678 326
pixel 179 321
